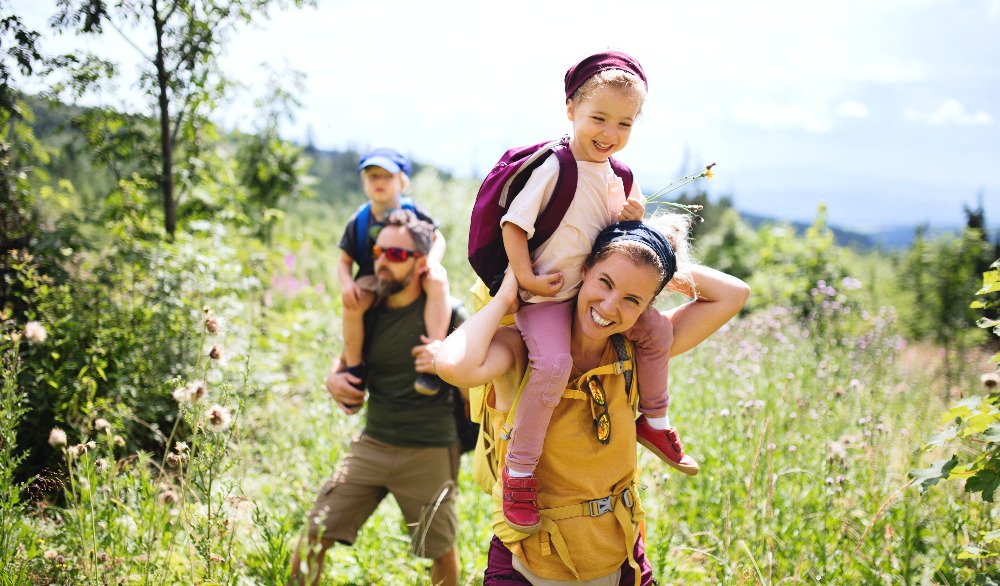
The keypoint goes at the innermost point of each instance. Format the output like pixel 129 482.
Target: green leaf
pixel 976 423
pixel 992 433
pixel 985 481
pixel 996 357
pixel 930 476
pixel 971 552
pixel 962 408
pixel 991 536
pixel 939 439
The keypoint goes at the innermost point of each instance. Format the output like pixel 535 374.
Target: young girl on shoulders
pixel 604 96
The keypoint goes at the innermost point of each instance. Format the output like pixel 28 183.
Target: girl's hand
pixel 633 211
pixel 544 285
pixel 435 281
pixel 350 295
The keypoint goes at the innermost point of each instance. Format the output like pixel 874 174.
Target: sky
pixel 887 110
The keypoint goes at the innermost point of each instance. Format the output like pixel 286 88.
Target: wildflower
pixel 102 557
pixel 708 171
pixel 35 332
pixel 102 425
pixel 218 418
pixel 77 450
pixel 213 324
pixel 855 383
pixel 181 447
pixel 91 445
pixel 841 479
pixel 192 392
pixel 904 432
pixel 792 448
pixel 771 446
pixel 990 380
pixel 119 440
pixel 51 554
pixel 57 438
pixel 207 309
pixel 60 560
pixel 168 497
pixel 101 464
pixel 173 460
pixel 216 559
pixel 216 352
pixel 723 412
pixel 828 481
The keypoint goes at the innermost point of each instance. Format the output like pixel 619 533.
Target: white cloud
pixel 852 109
pixel 951 112
pixel 771 115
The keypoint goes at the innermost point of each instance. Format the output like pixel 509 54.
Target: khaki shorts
pixel 373 469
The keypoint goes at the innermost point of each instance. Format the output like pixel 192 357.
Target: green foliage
pixel 14 531
pixel 119 326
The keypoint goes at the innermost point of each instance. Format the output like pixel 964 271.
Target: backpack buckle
pixel 619 367
pixel 627 498
pixel 600 506
pixel 505 432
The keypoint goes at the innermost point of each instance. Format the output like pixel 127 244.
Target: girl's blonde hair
pixel 627 84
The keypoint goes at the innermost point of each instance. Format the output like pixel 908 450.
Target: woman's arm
pixel 719 298
pixel 473 354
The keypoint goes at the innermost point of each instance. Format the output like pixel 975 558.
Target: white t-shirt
pixel 600 197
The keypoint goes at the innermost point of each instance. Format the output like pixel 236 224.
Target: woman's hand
pixel 508 293
pixel 633 211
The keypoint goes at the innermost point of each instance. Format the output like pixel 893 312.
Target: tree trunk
pixel 166 145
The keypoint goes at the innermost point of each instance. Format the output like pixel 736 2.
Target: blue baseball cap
pixel 391 160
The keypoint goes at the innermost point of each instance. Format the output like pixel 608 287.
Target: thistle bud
pixel 57 438
pixel 216 352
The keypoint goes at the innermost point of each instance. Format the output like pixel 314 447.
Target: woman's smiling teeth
pixel 598 319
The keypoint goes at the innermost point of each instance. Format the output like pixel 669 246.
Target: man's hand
pixel 349 398
pixel 350 295
pixel 423 355
pixel 633 211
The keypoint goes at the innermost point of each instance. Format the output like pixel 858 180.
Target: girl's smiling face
pixel 614 294
pixel 601 124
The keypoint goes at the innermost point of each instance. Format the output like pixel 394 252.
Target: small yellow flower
pixel 709 173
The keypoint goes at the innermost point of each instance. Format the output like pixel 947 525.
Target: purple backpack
pixel 507 178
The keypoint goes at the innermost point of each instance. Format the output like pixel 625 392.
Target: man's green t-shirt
pixel 397 414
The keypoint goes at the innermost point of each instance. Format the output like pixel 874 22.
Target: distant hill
pixel 841 236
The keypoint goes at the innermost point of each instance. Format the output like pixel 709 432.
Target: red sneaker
pixel 520 503
pixel 666 445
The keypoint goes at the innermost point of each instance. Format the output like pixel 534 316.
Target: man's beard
pixel 387 285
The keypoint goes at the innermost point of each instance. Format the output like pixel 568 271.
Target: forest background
pixel 169 311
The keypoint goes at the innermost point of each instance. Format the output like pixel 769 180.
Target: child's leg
pixel 653 335
pixel 545 328
pixel 354 324
pixel 437 310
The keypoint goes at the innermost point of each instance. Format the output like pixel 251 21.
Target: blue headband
pixel 645 235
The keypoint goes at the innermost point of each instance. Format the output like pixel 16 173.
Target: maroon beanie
pixel 599 62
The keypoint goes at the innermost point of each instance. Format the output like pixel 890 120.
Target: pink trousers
pixel 546 329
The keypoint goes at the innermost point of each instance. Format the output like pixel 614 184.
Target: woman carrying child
pixel 385 176
pixel 604 96
pixel 586 475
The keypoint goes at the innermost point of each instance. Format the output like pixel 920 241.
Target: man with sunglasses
pixel 410 444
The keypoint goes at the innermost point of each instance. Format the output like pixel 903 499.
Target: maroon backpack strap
pixel 549 219
pixel 622 170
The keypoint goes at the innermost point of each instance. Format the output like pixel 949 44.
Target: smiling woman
pixel 589 510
